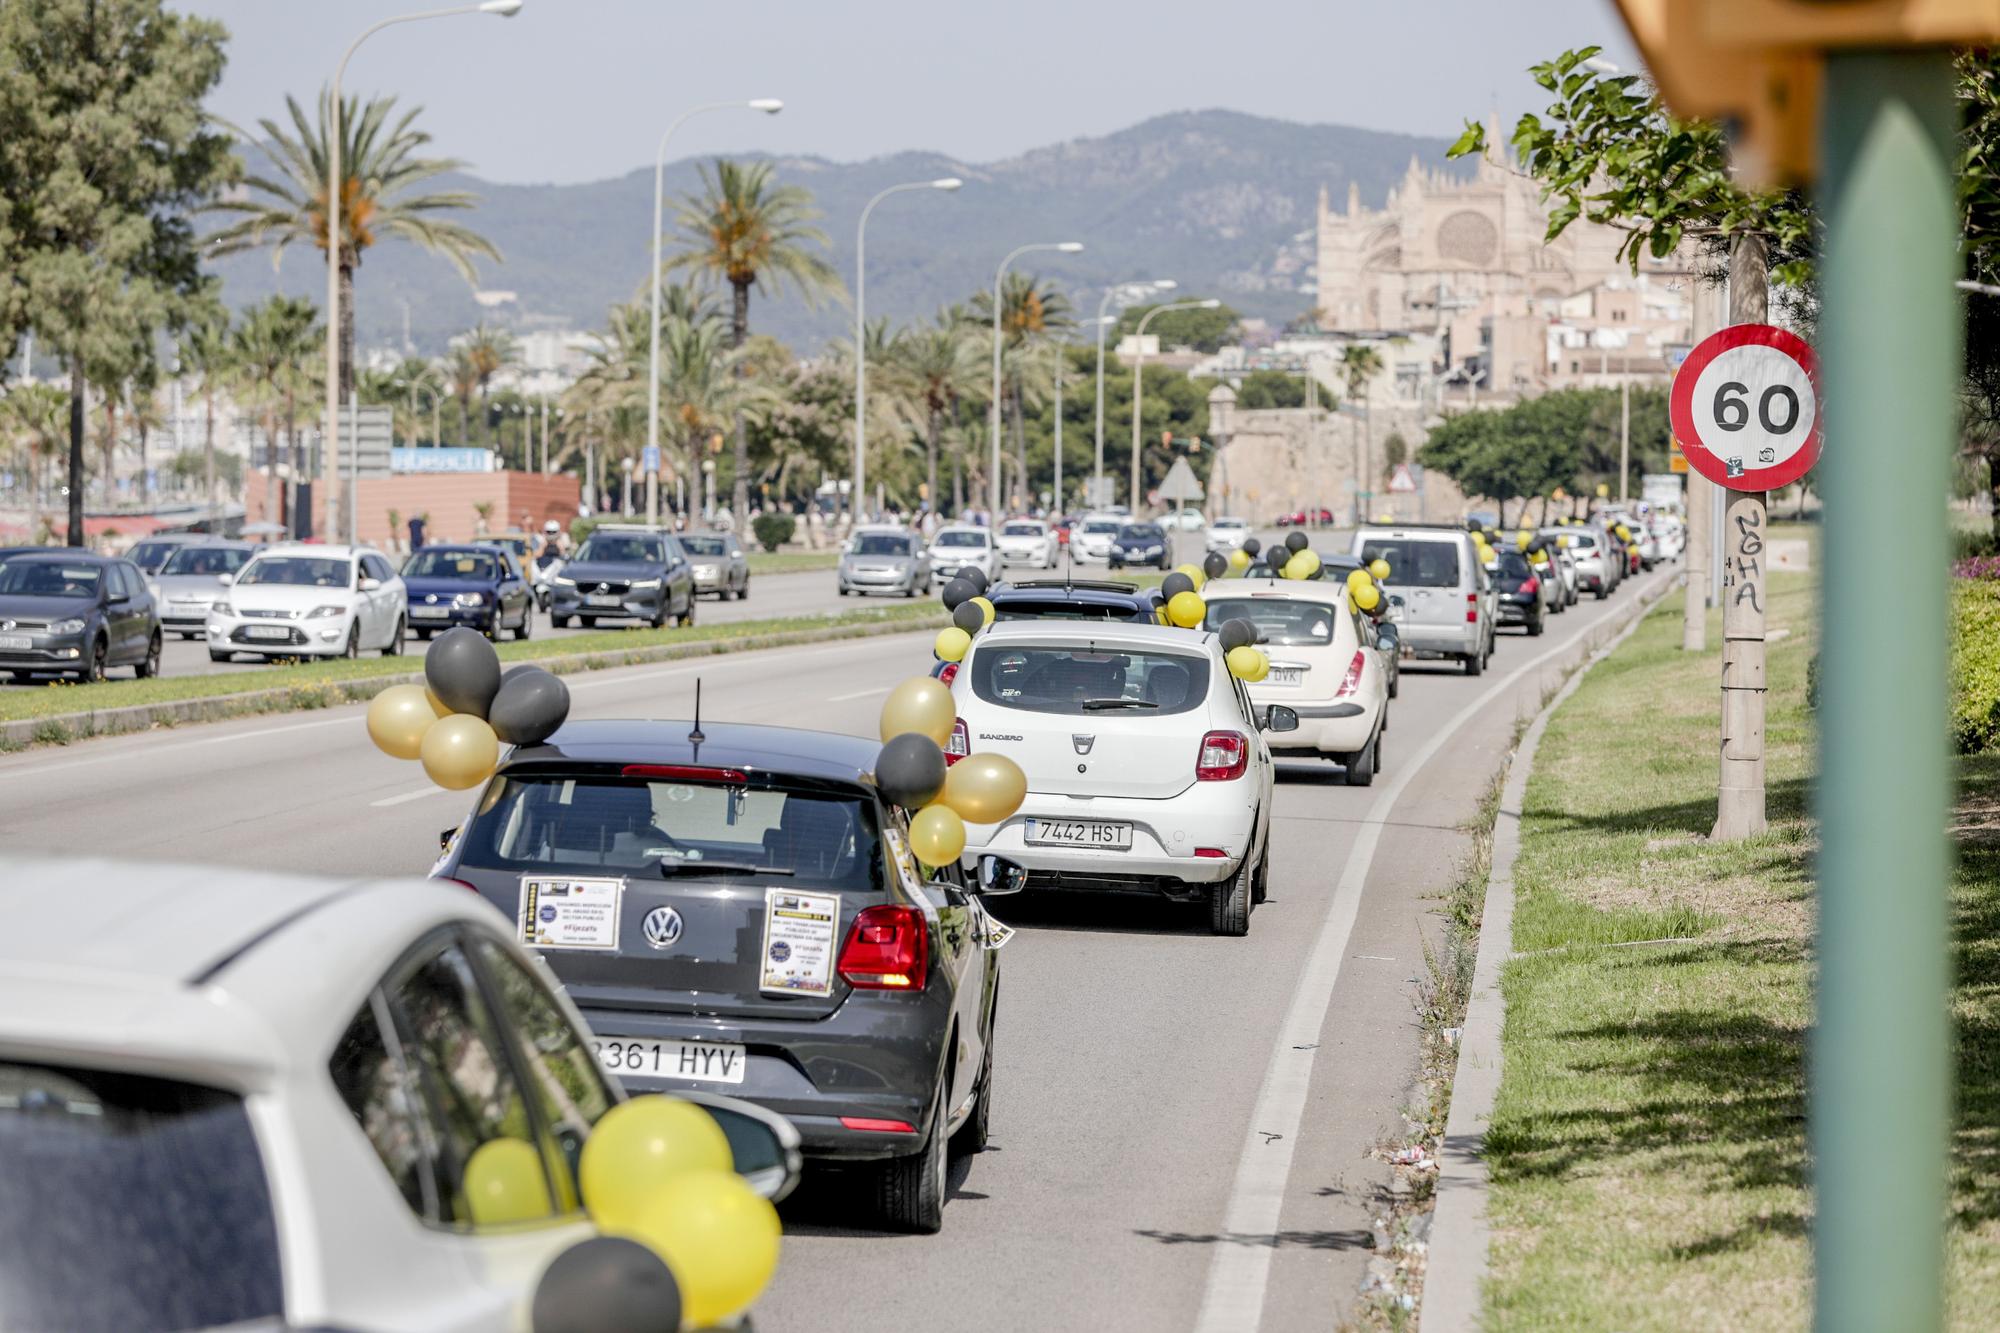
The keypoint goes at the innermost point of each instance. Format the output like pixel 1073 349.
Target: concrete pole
pixel 1739 552
pixel 1700 508
pixel 1624 432
pixel 1880 1052
pixel 1061 366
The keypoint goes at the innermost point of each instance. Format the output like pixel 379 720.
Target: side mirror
pixel 763 1144
pixel 1395 599
pixel 1278 717
pixel 369 585
pixel 1387 636
pixel 444 839
pixel 118 599
pixel 225 579
pixel 998 875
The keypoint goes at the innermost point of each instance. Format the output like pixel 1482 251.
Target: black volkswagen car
pixel 625 573
pixel 739 911
pixel 75 613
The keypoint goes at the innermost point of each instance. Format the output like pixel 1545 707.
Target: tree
pixel 1277 388
pixel 1202 330
pixel 932 366
pixel 104 154
pixel 1360 363
pixel 1032 310
pixel 34 419
pixel 273 350
pixel 749 232
pixel 207 356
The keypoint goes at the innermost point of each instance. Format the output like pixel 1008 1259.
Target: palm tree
pixel 1359 363
pixel 1031 311
pixel 36 418
pixel 476 357
pixel 930 367
pixel 207 355
pixel 702 388
pixel 749 232
pixel 272 349
pixel 381 172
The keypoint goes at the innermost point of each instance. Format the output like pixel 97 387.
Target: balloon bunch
pixel 942 794
pixel 455 722
pixel 1244 556
pixel 1247 662
pixel 1480 544
pixel 971 611
pixel 1180 597
pixel 1625 536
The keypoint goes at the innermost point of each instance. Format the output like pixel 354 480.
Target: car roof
pixel 342 552
pixel 65 553
pixel 1083 592
pixel 1121 633
pixel 790 751
pixel 960 527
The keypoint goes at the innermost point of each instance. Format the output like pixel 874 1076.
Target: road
pixel 1182 1123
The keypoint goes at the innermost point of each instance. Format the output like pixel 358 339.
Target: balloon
pixel 1215 564
pixel 1624 533
pixel 1236 632
pixel 1185 609
pixel 985 610
pixel 1174 584
pixel 969 617
pixel 974 575
pixel 1522 538
pixel 952 642
pixel 438 705
pixel 638 1148
pixel 1473 525
pixel 398 717
pixel 957 593
pixel 1308 563
pixel 718 1236
pixel 1296 542
pixel 531 704
pixel 1195 576
pixel 1239 560
pixel 463 670
pixel 1367 597
pixel 607 1282
pixel 1292 569
pixel 1379 568
pixel 922 705
pixel 459 751
pixel 1243 660
pixel 1277 556
pixel 937 834
pixel 985 788
pixel 1357 577
pixel 1318 571
pixel 911 769
pixel 1251 546
pixel 504 1183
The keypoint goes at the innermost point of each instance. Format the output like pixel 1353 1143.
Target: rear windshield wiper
pixel 683 867
pixel 1104 705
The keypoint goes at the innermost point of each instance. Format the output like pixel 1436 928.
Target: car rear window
pixel 1023 530
pixel 1283 621
pixel 435 564
pixel 131 1202
pixel 880 543
pixel 1025 608
pixel 1080 680
pixel 205 560
pixel 1514 565
pixel 961 539
pixel 702 545
pixel 298 571
pixel 1415 562
pixel 614 548
pixel 633 826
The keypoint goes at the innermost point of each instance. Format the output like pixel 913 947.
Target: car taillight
pixel 961 743
pixel 1532 584
pixel 949 673
pixel 445 879
pixel 888 948
pixel 1351 682
pixel 1224 755
pixel 1472 608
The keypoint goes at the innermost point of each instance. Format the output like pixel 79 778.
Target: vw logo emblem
pixel 663 927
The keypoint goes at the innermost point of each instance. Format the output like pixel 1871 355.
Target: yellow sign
pixel 1603 490
pixel 1678 463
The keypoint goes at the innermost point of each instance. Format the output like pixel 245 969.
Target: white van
pixel 1436 578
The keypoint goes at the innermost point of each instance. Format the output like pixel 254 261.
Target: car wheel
pixel 1395 683
pixel 687 616
pixel 588 622
pixel 559 622
pixel 1229 904
pixel 974 1134
pixel 425 634
pixel 526 629
pixel 95 671
pixel 1362 763
pixel 190 638
pixel 1475 663
pixel 353 648
pixel 659 620
pixel 743 593
pixel 492 630
pixel 843 590
pixel 149 666
pixel 909 1191
pixel 27 677
pixel 394 648
pixel 213 656
pixel 1535 627
pixel 1600 592
pixel 1260 883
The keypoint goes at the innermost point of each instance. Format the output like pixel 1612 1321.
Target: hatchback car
pixel 310 601
pixel 738 909
pixel 886 559
pixel 1447 601
pixel 76 614
pixel 624 573
pixel 964 546
pixel 1092 537
pixel 1228 533
pixel 478 586
pixel 190 581
pixel 1027 541
pixel 1142 544
pixel 150 553
pixel 1520 591
pixel 721 565
pixel 1147 768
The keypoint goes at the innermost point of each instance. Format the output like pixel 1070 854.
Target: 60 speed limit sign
pixel 1745 407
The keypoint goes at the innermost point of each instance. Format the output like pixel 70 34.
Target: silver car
pixel 885 560
pixel 1435 577
pixel 192 579
pixel 721 565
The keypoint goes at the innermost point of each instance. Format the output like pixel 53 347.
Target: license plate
pixel 603 599
pixel 1078 833
pixel 16 641
pixel 700 1061
pixel 430 612
pixel 1286 676
pixel 267 632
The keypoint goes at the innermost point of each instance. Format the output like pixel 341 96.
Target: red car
pixel 1304 516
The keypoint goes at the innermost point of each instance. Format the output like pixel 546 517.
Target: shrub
pixel 1975 664
pixel 579 528
pixel 1977 567
pixel 773 530
pixel 1968 543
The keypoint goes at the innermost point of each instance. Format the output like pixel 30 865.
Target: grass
pixel 322 684
pixel 792 562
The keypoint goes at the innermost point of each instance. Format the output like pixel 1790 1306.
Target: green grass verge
pixel 791 562
pixel 315 683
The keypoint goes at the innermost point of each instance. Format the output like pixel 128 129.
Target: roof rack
pixel 1093 585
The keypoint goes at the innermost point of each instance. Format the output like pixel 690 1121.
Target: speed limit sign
pixel 1745 407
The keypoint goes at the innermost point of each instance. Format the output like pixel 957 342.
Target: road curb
pixel 1460 1235
pixel 63 728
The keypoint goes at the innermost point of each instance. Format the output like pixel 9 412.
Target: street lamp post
pixel 1066 247
pixel 1139 377
pixel 861 332
pixel 505 9
pixel 1126 288
pixel 770 106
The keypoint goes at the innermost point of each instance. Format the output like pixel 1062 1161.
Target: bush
pixel 1975 664
pixel 579 528
pixel 773 530
pixel 1968 544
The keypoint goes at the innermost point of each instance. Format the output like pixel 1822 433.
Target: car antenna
pixel 695 737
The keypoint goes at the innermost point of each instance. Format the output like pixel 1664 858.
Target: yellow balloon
pixel 985 609
pixel 1624 533
pixel 641 1146
pixel 1360 578
pixel 1243 662
pixel 1379 568
pixel 922 705
pixel 1307 562
pixel 1239 560
pixel 398 717
pixel 985 788
pixel 1367 597
pixel 720 1238
pixel 1632 549
pixel 459 751
pixel 952 644
pixel 1522 539
pixel 1195 573
pixel 1263 666
pixel 504 1183
pixel 1186 609
pixel 937 834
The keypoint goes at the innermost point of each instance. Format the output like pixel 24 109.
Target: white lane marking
pixel 1233 1300
pixel 39 769
pixel 417 795
pixel 858 694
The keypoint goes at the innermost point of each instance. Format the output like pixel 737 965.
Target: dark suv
pixel 625 573
pixel 76 613
pixel 739 911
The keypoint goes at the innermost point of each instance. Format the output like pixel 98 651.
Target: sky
pixel 578 90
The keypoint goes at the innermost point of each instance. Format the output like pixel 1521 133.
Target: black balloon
pixel 1296 542
pixel 1175 583
pixel 910 770
pixel 463 671
pixel 1215 564
pixel 529 708
pixel 958 592
pixel 969 617
pixel 1236 632
pixel 1251 546
pixel 607 1282
pixel 976 576
pixel 1319 572
pixel 1278 556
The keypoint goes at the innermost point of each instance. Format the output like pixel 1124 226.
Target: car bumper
pixel 1025 557
pixel 184 619
pixel 1325 728
pixel 1165 835
pixel 900 580
pixel 46 652
pixel 304 638
pixel 947 571
pixel 1453 640
pixel 633 606
pixel 445 617
pixel 1521 612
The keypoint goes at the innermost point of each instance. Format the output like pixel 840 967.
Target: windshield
pixel 149 556
pixel 1023 530
pixel 961 539
pixel 702 545
pixel 131 1202
pixel 634 827
pixel 881 543
pixel 1057 608
pixel 1068 680
pixel 1098 526
pixel 1415 563
pixel 1141 532
pixel 48 578
pixel 299 571
pixel 208 560
pixel 518 545
pixel 1514 565
pixel 1279 620
pixel 436 564
pixel 623 548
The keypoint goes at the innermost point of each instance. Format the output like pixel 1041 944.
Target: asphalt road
pixel 1183 1124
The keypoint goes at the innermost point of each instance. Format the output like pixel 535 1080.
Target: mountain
pixel 1221 201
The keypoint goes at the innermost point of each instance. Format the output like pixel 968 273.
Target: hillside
pixel 1219 200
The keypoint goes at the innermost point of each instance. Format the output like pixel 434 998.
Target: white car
pixel 1091 539
pixel 964 546
pixel 299 600
pixel 1027 541
pixel 1183 520
pixel 232 1098
pixel 1147 771
pixel 1228 533
pixel 1324 665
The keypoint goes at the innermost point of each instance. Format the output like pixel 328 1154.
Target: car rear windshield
pixel 209 560
pixel 880 543
pixel 1583 541
pixel 1282 621
pixel 1514 566
pixel 1100 526
pixel 1415 562
pixel 131 1202
pixel 635 826
pixel 616 548
pixel 961 539
pixel 433 564
pixel 298 571
pixel 1023 530
pixel 703 546
pixel 49 578
pixel 1141 532
pixel 1028 608
pixel 1082 680
pixel 150 555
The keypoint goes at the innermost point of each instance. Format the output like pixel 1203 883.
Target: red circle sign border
pixel 1680 408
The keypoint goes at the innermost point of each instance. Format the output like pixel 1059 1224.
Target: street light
pixel 1139 376
pixel 506 9
pixel 861 332
pixel 1128 289
pixel 1066 247
pixel 770 106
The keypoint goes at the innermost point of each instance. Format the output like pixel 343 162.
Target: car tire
pixel 1535 627
pixel 353 648
pixel 213 656
pixel 588 622
pixel 909 1191
pixel 659 620
pixel 526 629
pixel 1600 592
pixel 189 638
pixel 425 634
pixel 559 622
pixel 1395 683
pixel 493 627
pixel 394 648
pixel 1260 884
pixel 94 672
pixel 148 666
pixel 976 1132
pixel 1475 663
pixel 687 616
pixel 1229 904
pixel 743 593
pixel 843 589
pixel 1361 764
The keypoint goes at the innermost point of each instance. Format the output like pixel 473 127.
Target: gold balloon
pixel 1624 533
pixel 986 788
pixel 937 834
pixel 1243 662
pixel 398 717
pixel 1196 574
pixel 1379 568
pixel 922 705
pixel 459 751
pixel 1239 560
pixel 638 1148
pixel 985 609
pixel 1367 597
pixel 952 644
pixel 1186 609
pixel 438 706
pixel 720 1238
